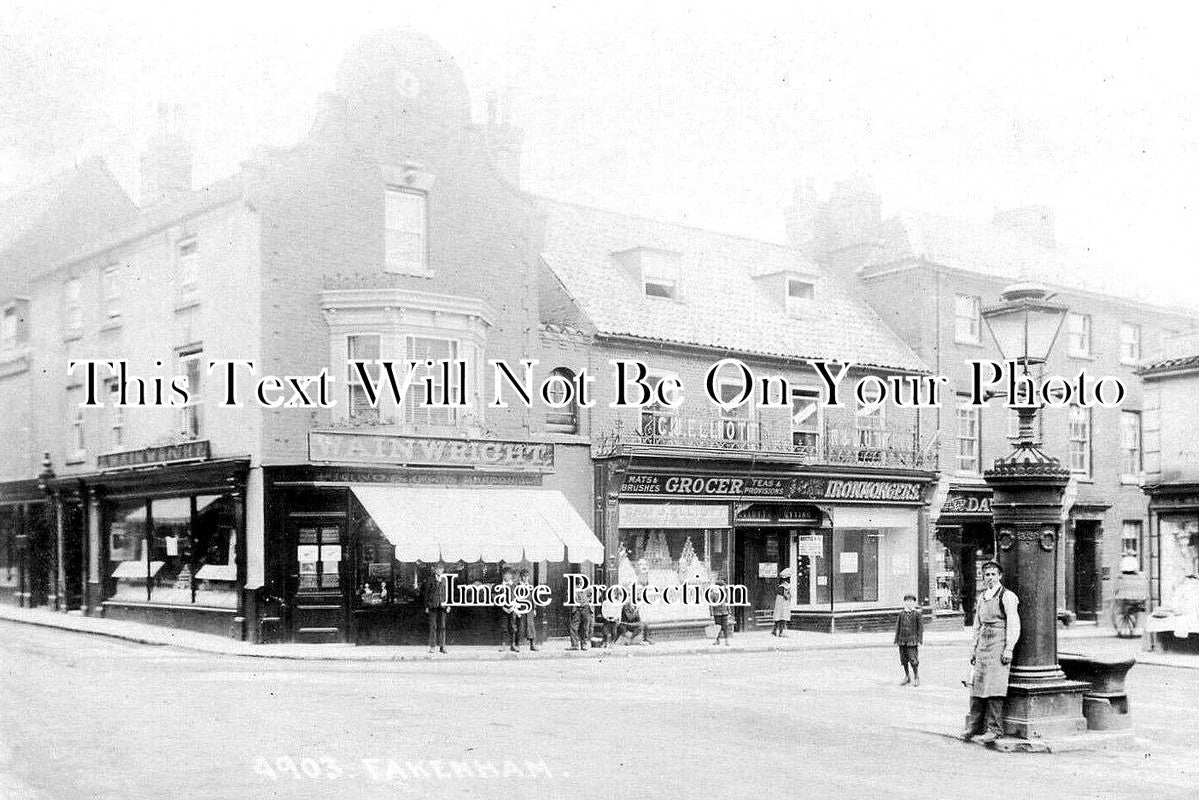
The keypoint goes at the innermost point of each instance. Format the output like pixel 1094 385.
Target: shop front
pixel 350 548
pixel 164 544
pixel 27 546
pixel 1173 542
pixel 846 546
pixel 964 541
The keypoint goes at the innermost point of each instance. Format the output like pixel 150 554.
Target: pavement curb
pixel 266 651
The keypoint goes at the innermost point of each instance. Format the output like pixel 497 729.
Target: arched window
pixel 566 418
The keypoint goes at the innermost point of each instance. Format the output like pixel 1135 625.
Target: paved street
pixel 89 717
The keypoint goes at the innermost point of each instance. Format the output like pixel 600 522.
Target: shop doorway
pixel 74 524
pixel 977 547
pixel 762 553
pixel 317 580
pixel 1086 569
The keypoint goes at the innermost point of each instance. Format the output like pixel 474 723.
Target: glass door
pixel 319 606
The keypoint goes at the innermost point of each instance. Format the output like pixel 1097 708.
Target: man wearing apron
pixel 996 631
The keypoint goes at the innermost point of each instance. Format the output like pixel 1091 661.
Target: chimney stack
pixel 504 142
pixel 167 161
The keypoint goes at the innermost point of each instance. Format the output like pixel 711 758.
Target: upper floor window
pixel 77 441
pixel 1080 440
pixel 191 417
pixel 362 347
pixel 406 231
pixel 660 419
pixel 1130 445
pixel 805 418
pixel 1078 328
pixel 871 424
pixel 799 295
pixel 659 272
pixel 1130 343
pixel 74 305
pixel 565 417
pixel 967 314
pixel 10 327
pixel 427 400
pixel 111 280
pixel 116 414
pixel 969 437
pixel 187 268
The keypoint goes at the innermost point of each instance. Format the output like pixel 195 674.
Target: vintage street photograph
pixel 588 400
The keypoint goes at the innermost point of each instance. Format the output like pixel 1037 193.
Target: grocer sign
pixel 772 488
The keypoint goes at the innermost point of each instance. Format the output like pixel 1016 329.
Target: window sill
pixel 1130 480
pixel 73 335
pixel 968 342
pixel 408 272
pixel 76 458
pixel 112 324
pixel 1083 356
pixel 186 305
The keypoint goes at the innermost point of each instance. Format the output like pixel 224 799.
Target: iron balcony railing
pixel 867 444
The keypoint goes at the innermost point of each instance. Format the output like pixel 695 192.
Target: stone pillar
pixel 60 572
pixel 1026 507
pixel 95 585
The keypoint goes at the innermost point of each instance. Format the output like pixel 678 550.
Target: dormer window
pixel 406 226
pixel 799 295
pixel 659 288
pixel 657 270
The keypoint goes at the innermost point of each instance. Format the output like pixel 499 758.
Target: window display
pixel 663 557
pixel 174 550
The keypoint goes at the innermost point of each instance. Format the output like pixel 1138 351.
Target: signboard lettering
pixel 186 451
pixel 772 488
pixel 368 448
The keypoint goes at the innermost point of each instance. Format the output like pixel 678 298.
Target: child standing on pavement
pixel 909 635
pixel 722 617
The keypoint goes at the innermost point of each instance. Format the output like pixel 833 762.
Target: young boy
pixel 909 635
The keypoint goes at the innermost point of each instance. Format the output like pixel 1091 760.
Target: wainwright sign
pixel 427 451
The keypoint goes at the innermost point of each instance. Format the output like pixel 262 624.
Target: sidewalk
pixel 1091 640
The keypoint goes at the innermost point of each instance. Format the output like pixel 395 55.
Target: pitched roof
pixel 40 225
pixel 721 306
pixel 1001 252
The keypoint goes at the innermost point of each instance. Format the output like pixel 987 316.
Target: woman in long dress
pixel 996 631
pixel 782 604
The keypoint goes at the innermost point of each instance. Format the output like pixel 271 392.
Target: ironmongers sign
pixel 773 488
pixel 427 451
pixel 186 451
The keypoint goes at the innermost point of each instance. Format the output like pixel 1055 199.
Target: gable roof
pixel 1000 252
pixel 720 304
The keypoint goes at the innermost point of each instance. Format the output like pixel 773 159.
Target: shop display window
pixel 174 551
pixel 665 557
pixel 1179 551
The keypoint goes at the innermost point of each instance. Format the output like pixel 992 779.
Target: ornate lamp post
pixel 1027 511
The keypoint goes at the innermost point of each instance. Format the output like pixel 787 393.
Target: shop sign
pixel 427 451
pixel 673 515
pixel 810 546
pixel 421 478
pixel 166 454
pixel 773 488
pixel 962 503
pixel 768 570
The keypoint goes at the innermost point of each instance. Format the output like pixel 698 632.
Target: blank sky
pixel 699 113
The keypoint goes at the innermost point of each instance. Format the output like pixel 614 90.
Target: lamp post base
pixel 1044 709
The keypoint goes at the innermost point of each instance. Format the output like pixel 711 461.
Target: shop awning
pixel 487 524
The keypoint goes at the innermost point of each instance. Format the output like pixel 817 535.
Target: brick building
pixel 38 227
pixel 388 232
pixel 837 496
pixel 929 278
